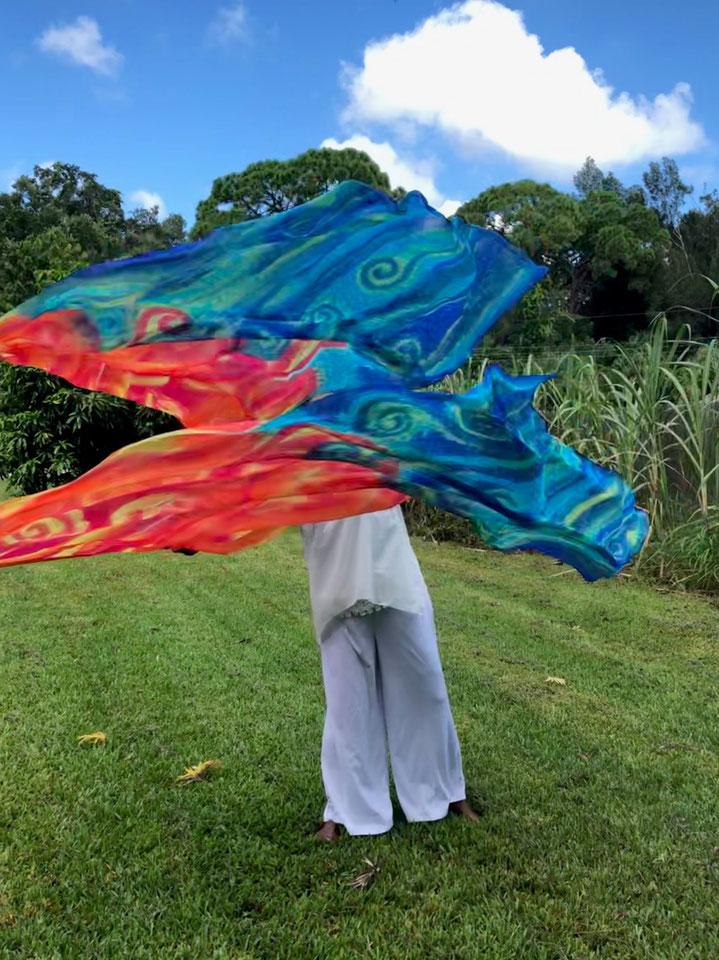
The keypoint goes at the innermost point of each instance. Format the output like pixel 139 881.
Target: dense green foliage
pixel 600 820
pixel 60 218
pixel 52 223
pixel 665 190
pixel 604 249
pixel 51 432
pixel 689 278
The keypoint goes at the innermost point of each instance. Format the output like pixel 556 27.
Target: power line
pixel 598 350
pixel 579 349
pixel 640 313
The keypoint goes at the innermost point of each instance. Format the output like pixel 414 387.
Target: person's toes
pixel 463 809
pixel 329 832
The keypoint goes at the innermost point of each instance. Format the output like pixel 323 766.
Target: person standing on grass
pixel 382 676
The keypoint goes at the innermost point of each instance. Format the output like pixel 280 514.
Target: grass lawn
pixel 601 829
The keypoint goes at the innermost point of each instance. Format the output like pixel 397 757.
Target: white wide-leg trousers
pixel 384 686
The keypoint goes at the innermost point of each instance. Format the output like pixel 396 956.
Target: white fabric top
pixel 362 558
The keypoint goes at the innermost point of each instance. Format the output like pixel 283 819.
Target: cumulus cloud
pixel 81 43
pixel 475 73
pixel 9 175
pixel 229 25
pixel 407 173
pixel 148 200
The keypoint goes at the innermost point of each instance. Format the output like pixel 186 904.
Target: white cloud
pixel 148 200
pixel 410 174
pixel 449 207
pixel 476 74
pixel 229 25
pixel 81 43
pixel 8 176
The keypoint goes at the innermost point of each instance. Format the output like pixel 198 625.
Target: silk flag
pixel 295 349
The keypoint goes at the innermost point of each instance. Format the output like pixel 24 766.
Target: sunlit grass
pixel 600 828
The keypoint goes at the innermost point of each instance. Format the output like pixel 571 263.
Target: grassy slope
pixel 601 826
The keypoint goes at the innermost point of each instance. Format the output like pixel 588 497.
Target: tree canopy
pixel 272 186
pixel 601 244
pixel 688 282
pixel 51 223
pixel 665 190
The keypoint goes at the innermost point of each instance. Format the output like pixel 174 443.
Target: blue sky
pixel 161 96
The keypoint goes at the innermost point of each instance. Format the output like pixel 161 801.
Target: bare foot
pixel 329 832
pixel 463 809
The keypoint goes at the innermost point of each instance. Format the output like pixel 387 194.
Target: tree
pixel 51 432
pixel 52 223
pixel 144 230
pixel 687 290
pixel 545 223
pixel 28 265
pixel 666 191
pixel 272 186
pixel 590 179
pixel 63 196
pixel 620 234
pixel 599 245
pixel 174 229
pixel 534 216
pixel 623 247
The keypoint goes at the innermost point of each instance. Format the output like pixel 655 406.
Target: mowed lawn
pixel 600 835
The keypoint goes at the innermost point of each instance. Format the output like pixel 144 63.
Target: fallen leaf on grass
pixel 364 879
pixel 94 739
pixel 559 680
pixel 198 772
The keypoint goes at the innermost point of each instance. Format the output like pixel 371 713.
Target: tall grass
pixel 652 414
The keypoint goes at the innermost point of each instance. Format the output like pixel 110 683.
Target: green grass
pixel 601 829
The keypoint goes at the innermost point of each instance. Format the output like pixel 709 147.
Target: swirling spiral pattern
pixel 382 273
pixel 292 349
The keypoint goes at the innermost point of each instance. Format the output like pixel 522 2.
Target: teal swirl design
pixel 352 265
pixel 486 455
pixel 378 274
pixel 382 297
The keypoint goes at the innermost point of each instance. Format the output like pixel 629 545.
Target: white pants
pixel 384 685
